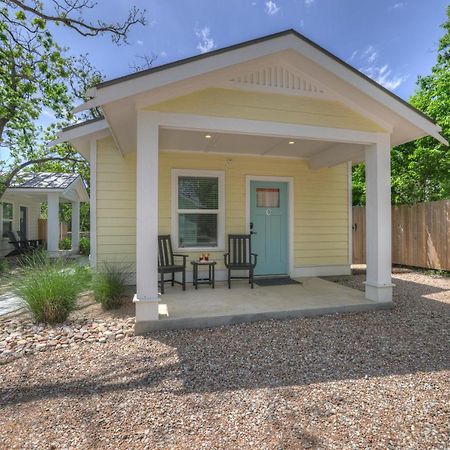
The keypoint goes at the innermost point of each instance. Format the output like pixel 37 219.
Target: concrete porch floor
pixel 208 307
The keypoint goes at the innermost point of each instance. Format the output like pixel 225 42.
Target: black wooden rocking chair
pixel 240 257
pixel 34 243
pixel 21 247
pixel 166 262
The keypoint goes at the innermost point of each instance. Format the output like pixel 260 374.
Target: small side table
pixel 210 280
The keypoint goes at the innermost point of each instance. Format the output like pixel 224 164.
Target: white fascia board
pixel 358 81
pixel 80 132
pixel 78 188
pixel 134 86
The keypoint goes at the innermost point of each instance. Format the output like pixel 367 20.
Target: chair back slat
pixel 21 235
pixel 165 253
pixel 239 248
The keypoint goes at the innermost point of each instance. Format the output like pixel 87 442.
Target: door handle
pixel 253 232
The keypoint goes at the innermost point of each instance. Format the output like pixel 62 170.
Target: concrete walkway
pixel 208 307
pixel 9 303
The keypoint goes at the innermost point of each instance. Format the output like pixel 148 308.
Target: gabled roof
pixel 70 186
pixel 219 51
pixel 44 180
pixel 120 98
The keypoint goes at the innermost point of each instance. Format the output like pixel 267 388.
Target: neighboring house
pixel 21 207
pixel 260 137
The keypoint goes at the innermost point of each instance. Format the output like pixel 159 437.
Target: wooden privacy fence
pixel 42 229
pixel 420 235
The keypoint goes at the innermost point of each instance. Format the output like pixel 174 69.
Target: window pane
pixel 267 198
pixel 197 230
pixel 7 211
pixel 7 226
pixel 198 193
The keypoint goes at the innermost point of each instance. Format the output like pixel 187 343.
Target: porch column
pixel 53 223
pixel 76 226
pixel 378 221
pixel 146 298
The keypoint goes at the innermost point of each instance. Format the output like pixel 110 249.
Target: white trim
pixel 350 212
pixel 83 130
pixel 254 155
pixel 321 271
pixel 291 211
pixel 220 175
pixel 264 128
pixel 286 42
pixel 7 220
pixel 93 205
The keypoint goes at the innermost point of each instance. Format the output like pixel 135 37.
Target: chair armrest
pixel 179 255
pixel 255 258
pixel 226 257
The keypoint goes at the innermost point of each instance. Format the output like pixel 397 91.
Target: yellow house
pixel 258 138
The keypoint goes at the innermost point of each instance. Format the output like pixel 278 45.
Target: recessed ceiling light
pixel 207 136
pixel 291 142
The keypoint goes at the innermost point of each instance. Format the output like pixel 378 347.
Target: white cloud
pixel 309 2
pixel 272 8
pixel 382 73
pixel 384 76
pixel 163 54
pixel 370 54
pixel 354 54
pixel 206 42
pixel 398 5
pixel 139 42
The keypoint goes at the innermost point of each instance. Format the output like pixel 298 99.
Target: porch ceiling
pixel 194 140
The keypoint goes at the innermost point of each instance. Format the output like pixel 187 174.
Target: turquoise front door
pixel 269 226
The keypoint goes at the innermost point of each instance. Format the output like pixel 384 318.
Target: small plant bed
pixel 20 336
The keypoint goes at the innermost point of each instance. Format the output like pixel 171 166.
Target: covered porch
pixel 207 307
pixel 317 148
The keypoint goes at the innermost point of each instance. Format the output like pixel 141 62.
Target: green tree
pixel 37 76
pixel 421 169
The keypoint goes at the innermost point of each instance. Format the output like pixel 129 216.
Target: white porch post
pixel 146 298
pixel 53 223
pixel 76 226
pixel 378 221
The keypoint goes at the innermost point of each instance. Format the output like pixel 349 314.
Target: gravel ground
pixel 370 380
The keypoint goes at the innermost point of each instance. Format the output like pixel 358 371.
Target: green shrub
pixel 65 244
pixel 4 266
pixel 109 285
pixel 50 288
pixel 85 246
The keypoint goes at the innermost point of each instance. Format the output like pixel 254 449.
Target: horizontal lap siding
pixel 320 227
pixel 283 108
pixel 116 205
pixel 320 202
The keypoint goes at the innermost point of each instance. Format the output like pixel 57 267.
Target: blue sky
pixel 392 41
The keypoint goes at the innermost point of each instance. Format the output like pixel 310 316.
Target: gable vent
pixel 278 78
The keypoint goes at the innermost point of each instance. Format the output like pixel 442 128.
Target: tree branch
pixel 118 31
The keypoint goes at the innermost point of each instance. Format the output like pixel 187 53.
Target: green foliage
pixel 420 170
pixel 85 246
pixel 65 244
pixel 109 285
pixel 4 266
pixel 50 288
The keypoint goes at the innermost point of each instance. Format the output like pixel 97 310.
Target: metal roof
pixel 44 180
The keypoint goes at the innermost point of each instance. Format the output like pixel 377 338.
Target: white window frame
pixel 220 175
pixel 7 220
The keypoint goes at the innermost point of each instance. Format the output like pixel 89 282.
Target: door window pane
pixel 267 198
pixel 198 193
pixel 197 230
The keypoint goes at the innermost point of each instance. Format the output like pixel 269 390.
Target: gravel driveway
pixel 370 380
